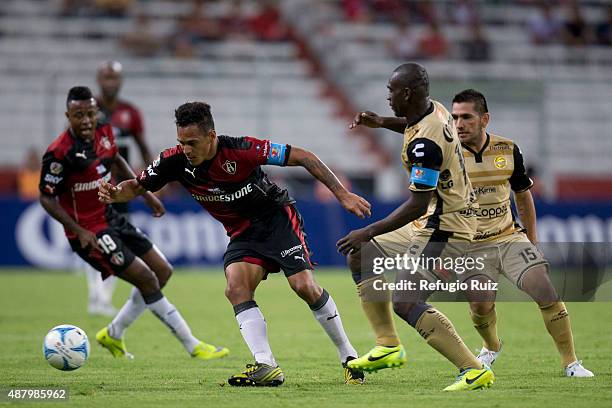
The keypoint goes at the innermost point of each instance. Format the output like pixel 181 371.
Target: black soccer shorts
pixel 276 242
pixel 121 242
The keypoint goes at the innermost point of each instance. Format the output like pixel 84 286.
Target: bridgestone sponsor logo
pixel 92 185
pixel 226 197
pixel 291 250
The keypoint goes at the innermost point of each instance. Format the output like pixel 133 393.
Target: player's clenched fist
pixel 107 193
pixel 367 118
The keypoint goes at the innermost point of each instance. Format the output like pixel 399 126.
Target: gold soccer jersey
pixel 495 171
pixel 433 156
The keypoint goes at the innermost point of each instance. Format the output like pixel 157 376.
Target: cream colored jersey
pixel 495 171
pixel 433 156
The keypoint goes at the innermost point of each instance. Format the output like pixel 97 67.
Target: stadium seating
pixel 255 88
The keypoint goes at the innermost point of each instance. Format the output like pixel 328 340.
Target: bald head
pixel 413 76
pixel 113 66
pixel 408 89
pixel 109 80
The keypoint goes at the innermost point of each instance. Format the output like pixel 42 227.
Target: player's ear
pixel 484 120
pixel 407 93
pixel 212 134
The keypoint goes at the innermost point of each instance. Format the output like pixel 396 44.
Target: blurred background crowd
pixel 296 70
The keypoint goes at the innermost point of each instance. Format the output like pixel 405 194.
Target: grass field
pixel 528 373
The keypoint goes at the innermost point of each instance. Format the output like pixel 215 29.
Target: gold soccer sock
pixel 440 334
pixel 557 323
pixel 378 312
pixel 486 326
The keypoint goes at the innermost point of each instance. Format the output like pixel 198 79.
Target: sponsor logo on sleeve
pixel 53 179
pixel 56 168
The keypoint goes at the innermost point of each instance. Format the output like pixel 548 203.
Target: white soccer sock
pixel 254 332
pixel 131 310
pixel 326 312
pixel 94 281
pixel 106 289
pixel 167 313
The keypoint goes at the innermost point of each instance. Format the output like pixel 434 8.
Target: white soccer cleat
pixel 487 357
pixel 577 370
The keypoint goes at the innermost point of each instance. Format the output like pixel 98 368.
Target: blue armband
pixel 426 177
pixel 276 154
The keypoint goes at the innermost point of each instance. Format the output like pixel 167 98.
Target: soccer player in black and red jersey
pixel 73 167
pixel 128 129
pixel 266 231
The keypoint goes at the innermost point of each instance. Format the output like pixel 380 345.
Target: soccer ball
pixel 66 347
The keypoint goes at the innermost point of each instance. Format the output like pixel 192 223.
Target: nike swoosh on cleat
pixel 370 358
pixel 471 381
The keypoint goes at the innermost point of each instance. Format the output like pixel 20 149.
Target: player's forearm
pixel 308 160
pixel 406 213
pixel 394 123
pixel 527 213
pixel 144 152
pixel 123 169
pixel 53 208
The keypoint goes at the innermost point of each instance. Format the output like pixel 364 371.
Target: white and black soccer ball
pixel 66 347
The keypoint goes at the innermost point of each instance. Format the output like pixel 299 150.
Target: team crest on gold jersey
pixel 229 167
pixel 500 162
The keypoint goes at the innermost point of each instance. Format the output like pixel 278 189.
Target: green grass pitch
pixel 162 374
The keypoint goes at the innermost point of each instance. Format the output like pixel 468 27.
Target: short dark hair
pixel 78 93
pixel 195 113
pixel 477 98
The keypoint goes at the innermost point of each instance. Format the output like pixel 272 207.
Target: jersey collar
pixel 478 154
pixel 427 112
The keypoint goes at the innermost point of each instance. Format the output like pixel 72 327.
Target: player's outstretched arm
pixel 409 211
pixel 350 201
pixel 372 120
pixel 124 170
pixel 121 193
pixel 86 238
pixel 527 214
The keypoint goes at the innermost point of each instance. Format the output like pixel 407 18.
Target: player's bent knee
pixel 481 308
pixel 410 312
pixel 306 287
pixel 164 273
pixel 139 275
pixel 238 293
pixel 536 283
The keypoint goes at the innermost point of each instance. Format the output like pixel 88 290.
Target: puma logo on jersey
pixel 192 172
pixel 82 155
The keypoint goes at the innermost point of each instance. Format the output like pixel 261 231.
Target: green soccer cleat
pixel 115 346
pixel 205 351
pixel 352 376
pixel 258 375
pixel 472 379
pixel 379 358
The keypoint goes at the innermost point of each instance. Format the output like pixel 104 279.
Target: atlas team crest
pixel 229 167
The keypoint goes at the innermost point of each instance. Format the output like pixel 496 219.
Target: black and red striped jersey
pixel 72 169
pixel 127 123
pixel 231 186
